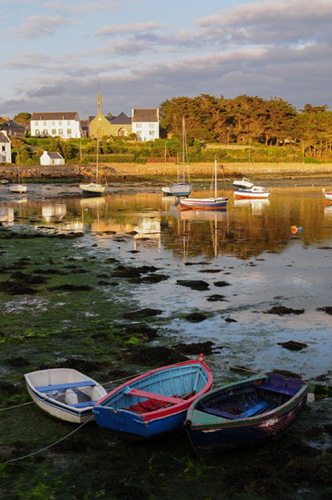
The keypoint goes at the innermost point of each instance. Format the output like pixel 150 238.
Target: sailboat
pixel 180 188
pixel 18 188
pixel 93 188
pixel 216 203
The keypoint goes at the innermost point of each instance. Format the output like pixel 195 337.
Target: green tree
pixel 23 118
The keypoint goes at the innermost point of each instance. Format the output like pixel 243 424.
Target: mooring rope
pixel 49 446
pixel 16 406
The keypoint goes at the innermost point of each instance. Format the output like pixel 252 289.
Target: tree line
pixel 246 119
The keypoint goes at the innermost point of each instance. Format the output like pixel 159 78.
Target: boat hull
pixel 56 392
pixel 209 431
pixel 92 189
pixel 18 188
pixel 328 196
pixel 248 194
pixel 179 189
pixel 203 204
pixel 134 411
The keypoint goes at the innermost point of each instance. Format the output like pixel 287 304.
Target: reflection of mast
pixel 184 227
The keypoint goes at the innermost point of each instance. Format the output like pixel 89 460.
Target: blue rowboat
pixel 156 402
pixel 245 413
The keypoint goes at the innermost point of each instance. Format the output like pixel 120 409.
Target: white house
pixel 51 159
pixel 5 148
pixel 64 125
pixel 145 124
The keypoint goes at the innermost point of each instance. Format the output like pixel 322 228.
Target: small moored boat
pixel 327 194
pixel 247 190
pixel 156 402
pixel 216 203
pixel 245 413
pixel 64 393
pixel 18 188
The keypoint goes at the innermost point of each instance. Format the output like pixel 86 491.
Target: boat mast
pixel 215 176
pixel 97 160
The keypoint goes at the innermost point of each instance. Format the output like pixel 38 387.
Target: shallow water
pixel 251 247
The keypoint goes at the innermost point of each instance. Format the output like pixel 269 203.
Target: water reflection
pixel 248 227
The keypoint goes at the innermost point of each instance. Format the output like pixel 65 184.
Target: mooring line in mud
pixel 49 446
pixel 16 406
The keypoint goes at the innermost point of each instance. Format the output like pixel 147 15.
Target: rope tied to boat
pixel 49 446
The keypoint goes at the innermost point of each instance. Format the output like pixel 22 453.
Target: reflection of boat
pixel 93 188
pixel 92 202
pixel 64 393
pixel 180 188
pixel 255 204
pixel 54 212
pixel 4 181
pixel 156 402
pixel 203 215
pixel 205 203
pixel 6 215
pixel 246 413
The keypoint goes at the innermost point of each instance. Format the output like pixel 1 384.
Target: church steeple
pixel 99 103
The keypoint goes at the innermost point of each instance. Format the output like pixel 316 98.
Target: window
pixel 151 125
pixel 68 131
pixel 53 123
pixel 60 123
pixel 45 124
pixel 45 131
pixel 36 124
pixel 151 132
pixel 68 122
pixel 60 131
pixel 3 148
pixel 37 132
pixel 53 131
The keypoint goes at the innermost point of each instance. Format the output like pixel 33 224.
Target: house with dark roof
pixel 65 125
pixel 51 159
pixel 145 124
pixel 5 148
pixel 13 128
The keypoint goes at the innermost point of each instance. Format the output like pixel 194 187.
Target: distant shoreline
pixel 161 172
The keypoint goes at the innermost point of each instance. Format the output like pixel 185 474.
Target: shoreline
pixel 131 175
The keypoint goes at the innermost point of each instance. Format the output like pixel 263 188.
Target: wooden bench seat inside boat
pixel 62 387
pixel 253 410
pixel 278 384
pixel 158 397
pixel 82 405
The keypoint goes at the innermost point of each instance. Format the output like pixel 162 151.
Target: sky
pixel 56 54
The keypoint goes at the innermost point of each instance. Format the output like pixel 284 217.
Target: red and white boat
pixel 246 190
pixel 328 195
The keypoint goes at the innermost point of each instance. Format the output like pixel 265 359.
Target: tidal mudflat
pixel 121 284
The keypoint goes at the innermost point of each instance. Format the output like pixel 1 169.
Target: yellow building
pixel 101 126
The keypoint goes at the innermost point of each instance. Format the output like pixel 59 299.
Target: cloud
pixel 128 28
pixel 39 25
pixel 80 7
pixel 282 22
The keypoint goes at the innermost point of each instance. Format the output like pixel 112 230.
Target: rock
pixel 292 346
pixel 281 310
pixel 194 284
pixel 153 356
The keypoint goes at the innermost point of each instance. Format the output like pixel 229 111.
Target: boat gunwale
pixel 221 422
pixel 183 405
